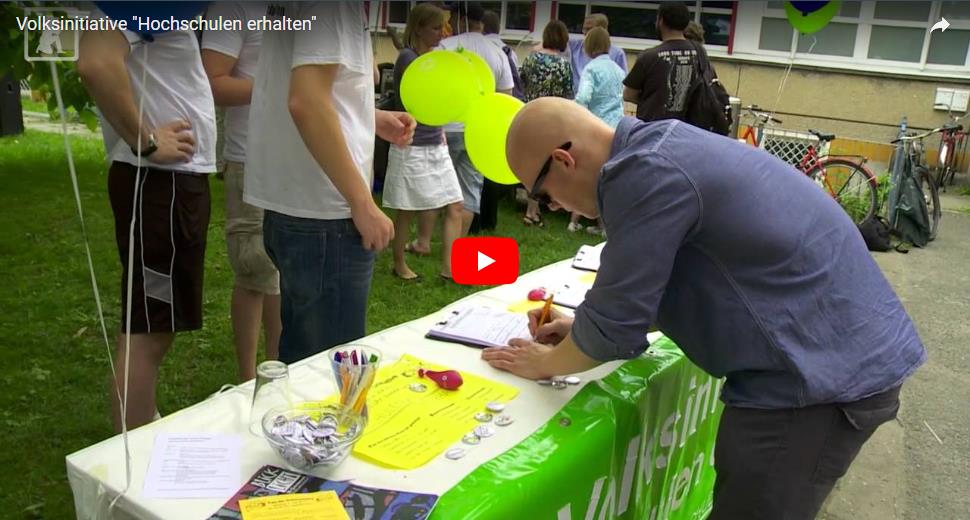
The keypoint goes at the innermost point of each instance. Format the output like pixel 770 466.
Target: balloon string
pixel 130 282
pixel 784 79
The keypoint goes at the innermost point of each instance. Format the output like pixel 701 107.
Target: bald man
pixel 757 274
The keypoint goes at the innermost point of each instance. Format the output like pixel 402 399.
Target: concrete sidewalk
pixel 918 468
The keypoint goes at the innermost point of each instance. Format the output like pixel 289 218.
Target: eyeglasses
pixel 543 198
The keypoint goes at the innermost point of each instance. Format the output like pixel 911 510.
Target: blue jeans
pixel 325 276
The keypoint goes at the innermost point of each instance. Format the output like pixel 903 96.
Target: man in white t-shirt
pixel 230 59
pixel 173 140
pixel 309 165
pixel 468 29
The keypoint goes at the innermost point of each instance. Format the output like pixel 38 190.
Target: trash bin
pixel 11 114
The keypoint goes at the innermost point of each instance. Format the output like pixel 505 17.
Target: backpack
pixel 912 216
pixel 518 92
pixel 707 100
pixel 876 233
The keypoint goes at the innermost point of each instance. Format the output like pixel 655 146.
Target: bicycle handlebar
pixel 916 137
pixel 756 112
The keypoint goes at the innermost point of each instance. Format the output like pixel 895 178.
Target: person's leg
pixel 468 177
pixel 783 463
pixel 246 312
pixel 147 353
pixel 450 230
pixel 402 232
pixel 491 195
pixel 574 224
pixel 426 222
pixel 325 275
pixel 255 277
pixel 533 215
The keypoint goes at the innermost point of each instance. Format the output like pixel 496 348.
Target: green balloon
pixel 486 129
pixel 438 87
pixel 814 21
pixel 482 72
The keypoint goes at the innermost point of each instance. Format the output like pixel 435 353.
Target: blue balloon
pixel 808 7
pixel 157 10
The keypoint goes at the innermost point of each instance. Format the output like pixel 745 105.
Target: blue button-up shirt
pixel 601 89
pixel 578 57
pixel 755 272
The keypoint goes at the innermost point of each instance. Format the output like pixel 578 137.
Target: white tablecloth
pixel 97 473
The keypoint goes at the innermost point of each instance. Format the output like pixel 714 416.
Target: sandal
pixel 415 278
pixel 533 221
pixel 411 247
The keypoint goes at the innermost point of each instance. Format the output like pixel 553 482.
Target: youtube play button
pixel 485 261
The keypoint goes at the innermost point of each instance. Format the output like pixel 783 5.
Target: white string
pixel 784 79
pixel 131 256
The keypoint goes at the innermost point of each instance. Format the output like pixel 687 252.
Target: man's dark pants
pixel 781 464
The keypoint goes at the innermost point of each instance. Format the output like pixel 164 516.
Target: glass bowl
pixel 313 435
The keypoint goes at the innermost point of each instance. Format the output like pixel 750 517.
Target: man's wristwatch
pixel 147 150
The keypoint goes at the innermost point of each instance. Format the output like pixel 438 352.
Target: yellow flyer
pixel 406 429
pixel 321 505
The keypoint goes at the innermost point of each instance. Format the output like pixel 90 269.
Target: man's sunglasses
pixel 543 198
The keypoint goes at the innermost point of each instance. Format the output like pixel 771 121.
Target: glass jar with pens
pixel 354 370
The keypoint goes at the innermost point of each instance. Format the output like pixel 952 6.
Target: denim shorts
pixel 325 276
pixel 469 178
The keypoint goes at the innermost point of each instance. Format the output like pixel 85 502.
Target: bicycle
pixel 952 137
pixel 845 178
pixel 915 156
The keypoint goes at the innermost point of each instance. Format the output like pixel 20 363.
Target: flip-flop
pixel 410 248
pixel 399 277
pixel 533 221
pixel 446 277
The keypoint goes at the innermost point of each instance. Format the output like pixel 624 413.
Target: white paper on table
pixel 481 326
pixel 193 465
pixel 570 295
pixel 588 257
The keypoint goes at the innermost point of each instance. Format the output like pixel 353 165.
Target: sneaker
pixel 574 227
pixel 595 230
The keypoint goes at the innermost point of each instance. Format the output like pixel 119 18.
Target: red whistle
pixel 446 379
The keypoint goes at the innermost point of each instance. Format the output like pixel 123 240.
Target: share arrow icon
pixel 941 25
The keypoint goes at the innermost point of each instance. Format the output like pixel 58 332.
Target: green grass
pixel 30 105
pixel 55 382
pixel 964 190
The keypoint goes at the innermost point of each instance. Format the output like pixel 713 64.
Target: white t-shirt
pixel 281 175
pixel 500 43
pixel 176 88
pixel 244 46
pixel 493 55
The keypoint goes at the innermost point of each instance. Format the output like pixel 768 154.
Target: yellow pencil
pixel 546 311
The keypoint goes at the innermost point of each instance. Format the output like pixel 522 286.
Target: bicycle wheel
pixel 850 184
pixel 931 194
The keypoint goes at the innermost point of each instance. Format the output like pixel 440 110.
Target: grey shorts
pixel 469 178
pixel 244 238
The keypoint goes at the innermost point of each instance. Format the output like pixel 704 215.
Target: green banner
pixel 639 444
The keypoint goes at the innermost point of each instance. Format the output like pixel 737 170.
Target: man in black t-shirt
pixel 660 80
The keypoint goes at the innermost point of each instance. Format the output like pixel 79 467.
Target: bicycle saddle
pixel 952 126
pixel 822 137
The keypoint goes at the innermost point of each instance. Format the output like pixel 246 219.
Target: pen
pixel 544 317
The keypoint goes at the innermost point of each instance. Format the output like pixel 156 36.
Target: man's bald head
pixel 539 128
pixel 539 132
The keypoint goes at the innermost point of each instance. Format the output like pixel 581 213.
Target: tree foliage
pixel 38 73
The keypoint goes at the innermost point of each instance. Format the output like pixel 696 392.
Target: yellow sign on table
pixel 321 505
pixel 407 428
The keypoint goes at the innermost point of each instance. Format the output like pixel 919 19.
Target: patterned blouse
pixel 546 75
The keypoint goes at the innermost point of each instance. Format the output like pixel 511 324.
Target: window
pixel 903 11
pixel 397 12
pixel 630 22
pixel 775 34
pixel 896 43
pixel 518 16
pixel 572 15
pixel 949 48
pixel 890 36
pixel 638 20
